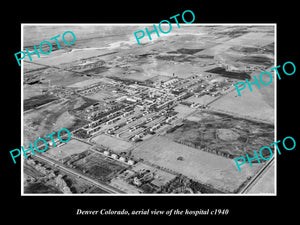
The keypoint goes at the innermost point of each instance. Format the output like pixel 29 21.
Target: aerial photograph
pixel 162 117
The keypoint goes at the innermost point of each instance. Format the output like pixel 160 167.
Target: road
pixel 103 186
pixel 257 176
pixel 56 67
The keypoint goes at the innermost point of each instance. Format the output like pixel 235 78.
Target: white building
pixel 122 159
pixel 136 181
pixel 114 156
pixel 130 162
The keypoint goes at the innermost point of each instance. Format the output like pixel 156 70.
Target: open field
pixel 84 83
pixel 183 110
pixel 103 95
pixel 115 144
pixel 136 75
pixel 52 118
pixel 201 166
pixel 254 38
pixel 31 67
pixel 256 104
pixel 203 100
pixel 30 91
pixel 159 78
pixel 72 147
pixel 54 75
pixel 222 134
pixel 268 92
pixel 265 184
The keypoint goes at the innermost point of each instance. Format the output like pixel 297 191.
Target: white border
pixel 22 107
pixel 143 24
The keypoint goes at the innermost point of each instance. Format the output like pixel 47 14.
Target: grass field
pixel 72 147
pixel 256 104
pixel 183 110
pixel 224 134
pixel 204 167
pixel 115 144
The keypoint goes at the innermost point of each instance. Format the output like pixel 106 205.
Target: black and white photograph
pixel 145 113
pixel 162 117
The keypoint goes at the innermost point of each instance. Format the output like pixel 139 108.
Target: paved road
pixel 103 186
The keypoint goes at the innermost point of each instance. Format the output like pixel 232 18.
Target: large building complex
pixel 161 122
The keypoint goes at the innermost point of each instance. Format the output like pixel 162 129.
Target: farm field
pixel 207 168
